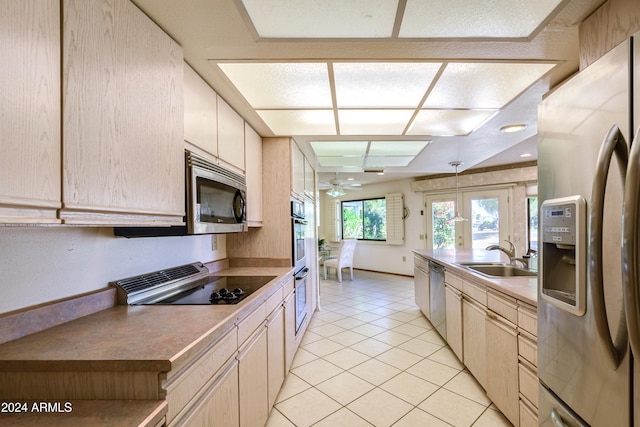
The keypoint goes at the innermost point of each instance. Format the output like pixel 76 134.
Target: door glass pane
pixel 485 222
pixel 443 226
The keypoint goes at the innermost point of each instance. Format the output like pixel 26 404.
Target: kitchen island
pixel 190 360
pixel 491 326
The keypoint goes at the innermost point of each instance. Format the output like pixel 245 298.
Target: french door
pixel 487 214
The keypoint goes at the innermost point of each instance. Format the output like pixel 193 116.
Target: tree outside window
pixel 364 219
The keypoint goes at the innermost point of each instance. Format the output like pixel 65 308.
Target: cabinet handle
pixel 557 419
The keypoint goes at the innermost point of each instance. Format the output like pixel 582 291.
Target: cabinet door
pixel 453 302
pixel 502 365
pixel 30 111
pixel 421 283
pixel 200 112
pixel 276 354
pixel 309 180
pixel 290 345
pixel 123 138
pixel 230 136
pixel 219 407
pixel 474 339
pixel 253 388
pixel 253 146
pixel 297 170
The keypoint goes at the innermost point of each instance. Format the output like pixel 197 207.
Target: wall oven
pixel 215 202
pixel 298 242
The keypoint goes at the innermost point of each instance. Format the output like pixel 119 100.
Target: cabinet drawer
pixel 182 387
pixel 421 263
pixel 503 305
pixel 274 301
pixel 251 323
pixel 475 291
pixel 453 280
pixel 288 288
pixel 528 319
pixel 528 416
pixel 528 348
pixel 528 383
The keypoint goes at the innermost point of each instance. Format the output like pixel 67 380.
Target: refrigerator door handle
pixel 614 143
pixel 630 250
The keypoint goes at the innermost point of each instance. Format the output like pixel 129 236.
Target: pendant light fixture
pixel 458 217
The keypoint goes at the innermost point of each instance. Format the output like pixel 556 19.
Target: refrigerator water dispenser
pixel 563 258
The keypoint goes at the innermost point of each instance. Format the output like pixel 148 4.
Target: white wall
pixel 41 264
pixel 378 256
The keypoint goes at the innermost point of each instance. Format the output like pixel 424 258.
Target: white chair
pixel 343 260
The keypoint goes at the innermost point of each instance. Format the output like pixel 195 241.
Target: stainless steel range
pixel 188 284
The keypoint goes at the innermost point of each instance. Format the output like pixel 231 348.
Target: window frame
pixel 342 202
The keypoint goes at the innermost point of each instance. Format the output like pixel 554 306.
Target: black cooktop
pixel 219 290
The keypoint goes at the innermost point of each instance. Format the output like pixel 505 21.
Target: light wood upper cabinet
pixel 230 136
pixel 253 146
pixel 200 112
pixel 30 111
pixel 123 139
pixel 297 170
pixel 309 180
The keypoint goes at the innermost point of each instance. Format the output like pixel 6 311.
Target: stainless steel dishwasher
pixel 437 298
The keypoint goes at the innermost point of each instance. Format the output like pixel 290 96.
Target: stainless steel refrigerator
pixel 588 195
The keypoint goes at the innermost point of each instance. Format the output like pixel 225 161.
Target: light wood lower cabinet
pixel 252 379
pixel 275 353
pixel 453 302
pixel 474 339
pixel 502 365
pixel 421 286
pixel 219 405
pixel 290 344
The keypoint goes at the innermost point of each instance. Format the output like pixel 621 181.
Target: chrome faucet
pixel 511 252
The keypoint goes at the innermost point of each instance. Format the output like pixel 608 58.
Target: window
pixel 532 221
pixel 364 219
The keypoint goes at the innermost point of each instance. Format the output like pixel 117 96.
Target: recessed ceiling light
pixel 524 155
pixel 380 173
pixel 512 128
pixel 350 179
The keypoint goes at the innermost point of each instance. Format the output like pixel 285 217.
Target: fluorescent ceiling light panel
pixel 397 148
pixel 322 19
pixel 373 122
pixel 299 122
pixel 483 84
pixel 474 19
pixel 448 122
pixel 281 85
pixel 338 161
pixel 382 84
pixel 387 161
pixel 340 148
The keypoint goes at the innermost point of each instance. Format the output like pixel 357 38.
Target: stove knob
pixel 238 291
pixel 223 291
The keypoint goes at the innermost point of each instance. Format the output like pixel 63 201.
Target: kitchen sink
pixel 480 263
pixel 501 270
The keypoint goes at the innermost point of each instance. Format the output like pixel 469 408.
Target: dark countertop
pixel 522 288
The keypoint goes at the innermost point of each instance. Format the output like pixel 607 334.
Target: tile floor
pixel 371 358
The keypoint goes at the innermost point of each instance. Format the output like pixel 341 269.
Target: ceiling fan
pixel 336 187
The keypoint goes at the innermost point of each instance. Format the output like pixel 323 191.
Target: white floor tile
pixel 343 418
pixel 347 358
pixel 409 388
pixel 419 418
pixel 317 371
pixel 375 371
pixel 308 407
pixel 345 388
pixel 380 408
pixel 452 408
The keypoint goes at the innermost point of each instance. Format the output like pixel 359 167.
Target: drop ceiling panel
pixel 448 122
pixel 474 19
pixel 483 84
pixel 299 122
pixel 373 122
pixel 388 161
pixel 322 19
pixel 340 148
pixel 396 148
pixel 382 84
pixel 281 85
pixel 334 161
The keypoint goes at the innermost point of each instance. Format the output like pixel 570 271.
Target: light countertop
pixel 523 288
